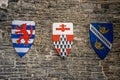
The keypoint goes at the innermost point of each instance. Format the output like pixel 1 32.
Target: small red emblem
pixel 62 28
pixel 25 35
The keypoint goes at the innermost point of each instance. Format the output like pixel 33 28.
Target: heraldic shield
pixel 62 38
pixel 23 34
pixel 101 37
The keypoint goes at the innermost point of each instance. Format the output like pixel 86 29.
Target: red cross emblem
pixel 62 28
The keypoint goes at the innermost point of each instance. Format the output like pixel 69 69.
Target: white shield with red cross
pixel 62 38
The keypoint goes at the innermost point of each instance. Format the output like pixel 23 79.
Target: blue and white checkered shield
pixel 23 34
pixel 101 37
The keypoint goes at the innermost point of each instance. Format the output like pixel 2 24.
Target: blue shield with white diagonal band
pixel 101 37
pixel 23 34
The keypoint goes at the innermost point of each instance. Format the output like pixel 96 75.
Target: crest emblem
pixel 23 34
pixel 101 37
pixel 62 38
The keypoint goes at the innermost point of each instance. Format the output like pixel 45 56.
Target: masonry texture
pixel 42 61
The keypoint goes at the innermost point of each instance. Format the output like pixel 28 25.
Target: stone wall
pixel 41 62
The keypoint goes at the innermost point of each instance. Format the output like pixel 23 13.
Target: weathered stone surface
pixel 41 62
pixel 3 16
pixel 3 4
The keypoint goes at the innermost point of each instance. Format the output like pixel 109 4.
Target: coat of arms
pixel 23 34
pixel 62 38
pixel 101 36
